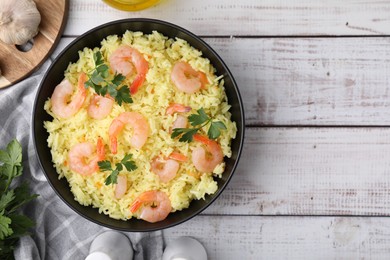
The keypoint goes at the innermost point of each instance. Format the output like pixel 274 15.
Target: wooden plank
pixel 231 238
pixel 309 81
pixel 248 17
pixel 310 171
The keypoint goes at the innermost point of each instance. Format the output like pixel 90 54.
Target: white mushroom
pixel 19 21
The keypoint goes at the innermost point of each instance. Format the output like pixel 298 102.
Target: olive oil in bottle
pixel 131 5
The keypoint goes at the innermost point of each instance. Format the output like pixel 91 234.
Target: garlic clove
pixel 19 21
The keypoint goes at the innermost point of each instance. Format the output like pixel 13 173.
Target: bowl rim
pixel 241 133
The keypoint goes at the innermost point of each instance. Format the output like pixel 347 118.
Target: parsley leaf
pixel 96 78
pixel 12 160
pixel 102 69
pixel 12 224
pixel 113 177
pixel 22 196
pixel 186 134
pixel 20 225
pixel 98 58
pixel 123 94
pixel 199 120
pixel 215 129
pixel 105 166
pixel 129 165
pixel 5 229
pixel 6 199
pixel 14 150
pixel 178 131
pixel 103 83
pixel 118 79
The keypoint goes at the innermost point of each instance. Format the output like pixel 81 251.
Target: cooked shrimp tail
pixel 100 149
pixel 178 157
pixel 174 107
pixel 137 83
pixel 156 206
pixel 124 59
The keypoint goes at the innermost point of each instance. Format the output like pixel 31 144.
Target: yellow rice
pixel 152 99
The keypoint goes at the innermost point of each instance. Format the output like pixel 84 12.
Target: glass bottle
pixel 131 5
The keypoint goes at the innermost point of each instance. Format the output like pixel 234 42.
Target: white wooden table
pixel 314 178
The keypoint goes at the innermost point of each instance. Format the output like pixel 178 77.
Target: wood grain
pixel 248 17
pixel 296 238
pixel 310 171
pixel 309 81
pixel 17 65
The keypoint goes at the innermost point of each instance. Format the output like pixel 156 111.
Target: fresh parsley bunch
pixel 113 177
pixel 12 224
pixel 103 83
pixel 199 120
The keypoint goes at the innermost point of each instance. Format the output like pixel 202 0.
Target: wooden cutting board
pixel 15 64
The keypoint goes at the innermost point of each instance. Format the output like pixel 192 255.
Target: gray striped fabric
pixel 60 233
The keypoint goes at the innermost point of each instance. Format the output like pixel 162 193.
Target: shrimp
pixel 121 186
pixel 165 169
pixel 206 159
pixel 180 122
pixel 100 107
pixel 124 59
pixel 174 107
pixel 64 104
pixel 140 129
pixel 81 159
pixel 186 79
pixel 178 157
pixel 156 206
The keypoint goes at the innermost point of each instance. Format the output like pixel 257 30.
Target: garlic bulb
pixel 19 21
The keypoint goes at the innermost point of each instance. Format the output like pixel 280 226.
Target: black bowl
pixel 55 74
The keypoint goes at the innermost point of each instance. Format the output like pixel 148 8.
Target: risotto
pixel 170 84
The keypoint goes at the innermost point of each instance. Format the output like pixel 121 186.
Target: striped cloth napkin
pixel 60 233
